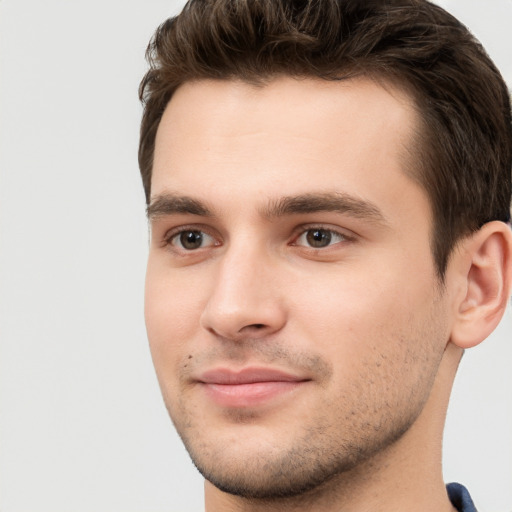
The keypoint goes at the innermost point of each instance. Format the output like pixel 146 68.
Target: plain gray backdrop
pixel 82 426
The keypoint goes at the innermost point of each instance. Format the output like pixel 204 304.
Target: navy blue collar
pixel 460 498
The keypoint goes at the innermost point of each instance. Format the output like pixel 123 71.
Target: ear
pixel 485 265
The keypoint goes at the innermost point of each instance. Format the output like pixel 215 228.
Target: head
pixel 327 184
pixel 461 154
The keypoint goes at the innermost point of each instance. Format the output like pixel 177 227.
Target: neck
pixel 405 476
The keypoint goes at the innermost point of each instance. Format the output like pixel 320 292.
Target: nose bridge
pixel 243 299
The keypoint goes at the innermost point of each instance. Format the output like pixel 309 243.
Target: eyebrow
pixel 172 204
pixel 339 202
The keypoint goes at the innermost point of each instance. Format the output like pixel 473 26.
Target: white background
pixel 82 426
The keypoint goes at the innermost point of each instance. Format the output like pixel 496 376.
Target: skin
pixel 362 323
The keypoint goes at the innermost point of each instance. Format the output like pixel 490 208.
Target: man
pixel 328 186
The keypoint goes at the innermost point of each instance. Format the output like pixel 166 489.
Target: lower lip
pixel 248 395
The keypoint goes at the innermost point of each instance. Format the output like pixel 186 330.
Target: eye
pixel 318 238
pixel 191 239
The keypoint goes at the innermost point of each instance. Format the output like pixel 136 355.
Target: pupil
pixel 191 239
pixel 318 238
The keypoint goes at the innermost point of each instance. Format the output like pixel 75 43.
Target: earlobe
pixel 487 269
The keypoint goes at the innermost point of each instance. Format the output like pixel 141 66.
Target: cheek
pixel 172 310
pixel 374 320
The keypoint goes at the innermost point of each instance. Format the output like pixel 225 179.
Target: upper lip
pixel 228 376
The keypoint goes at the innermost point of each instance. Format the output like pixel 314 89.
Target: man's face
pixel 294 317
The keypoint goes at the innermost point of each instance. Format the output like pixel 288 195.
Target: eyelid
pixel 166 239
pixel 347 237
pixel 206 240
pixel 172 233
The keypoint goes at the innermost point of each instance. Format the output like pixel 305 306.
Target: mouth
pixel 248 387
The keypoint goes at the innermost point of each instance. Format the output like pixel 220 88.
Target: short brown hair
pixel 463 156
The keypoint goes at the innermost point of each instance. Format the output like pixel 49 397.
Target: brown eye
pixel 318 238
pixel 191 239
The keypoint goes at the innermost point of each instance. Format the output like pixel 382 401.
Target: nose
pixel 245 300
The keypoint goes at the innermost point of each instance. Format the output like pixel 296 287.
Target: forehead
pixel 360 107
pixel 287 137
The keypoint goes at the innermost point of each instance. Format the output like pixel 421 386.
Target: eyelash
pixel 173 235
pixel 331 233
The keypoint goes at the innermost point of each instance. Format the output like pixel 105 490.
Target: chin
pixel 268 481
pixel 271 474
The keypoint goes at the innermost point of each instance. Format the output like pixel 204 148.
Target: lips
pixel 248 387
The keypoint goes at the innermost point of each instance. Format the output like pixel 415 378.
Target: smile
pixel 249 387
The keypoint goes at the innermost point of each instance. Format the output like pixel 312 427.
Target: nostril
pixel 257 326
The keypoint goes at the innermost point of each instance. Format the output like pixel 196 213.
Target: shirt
pixel 460 498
